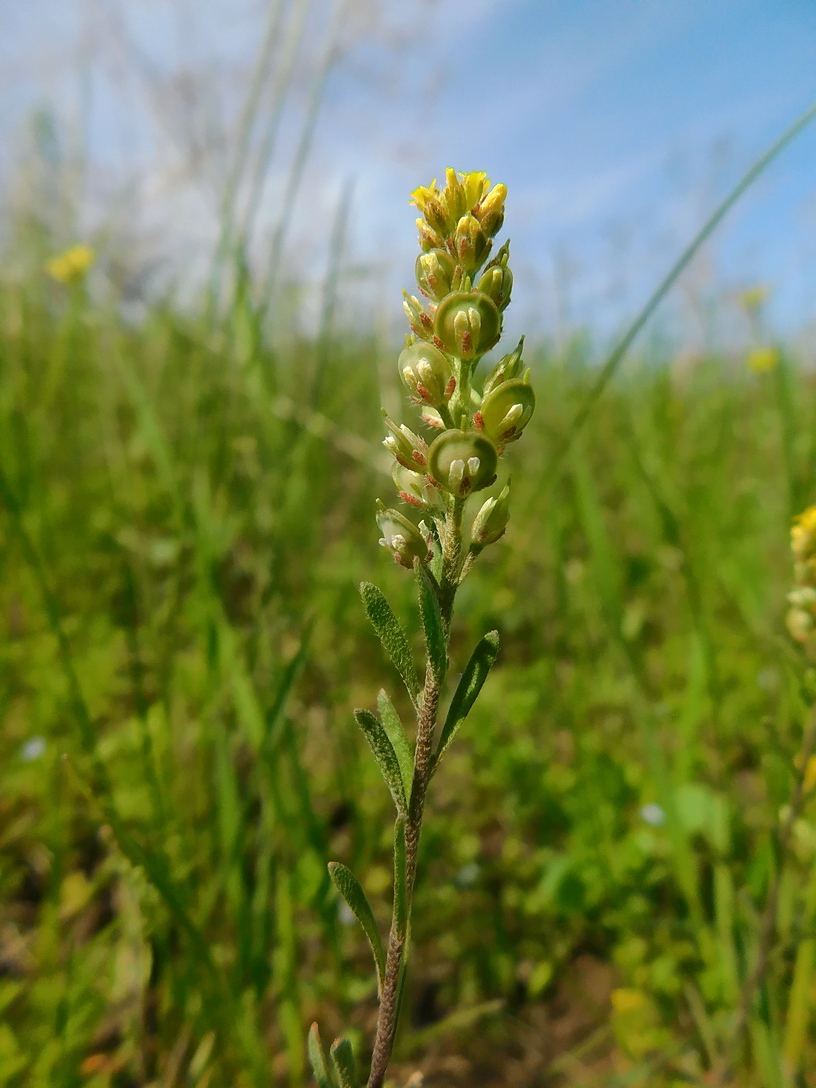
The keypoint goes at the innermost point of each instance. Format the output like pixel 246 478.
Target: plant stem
pixel 768 927
pixel 423 765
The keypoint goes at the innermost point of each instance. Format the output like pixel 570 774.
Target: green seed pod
pixel 467 324
pixel 471 243
pixel 497 279
pixel 506 411
pixel 462 462
pixel 506 368
pixel 402 537
pixel 434 273
pixel 415 488
pixel 426 372
pixel 491 521
pixel 407 447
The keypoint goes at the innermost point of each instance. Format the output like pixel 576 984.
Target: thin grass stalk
pixel 767 930
pixel 619 352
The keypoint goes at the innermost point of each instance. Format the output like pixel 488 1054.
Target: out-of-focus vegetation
pixel 183 643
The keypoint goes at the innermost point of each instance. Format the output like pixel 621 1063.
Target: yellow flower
pixel 625 1001
pixel 803 533
pixel 476 185
pixel 71 265
pixel 762 359
pixel 424 194
pixel 752 298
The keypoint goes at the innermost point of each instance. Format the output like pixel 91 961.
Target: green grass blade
pixel 352 891
pixel 617 355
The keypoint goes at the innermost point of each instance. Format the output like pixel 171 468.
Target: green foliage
pixel 183 522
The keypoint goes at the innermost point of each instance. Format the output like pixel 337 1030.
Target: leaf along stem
pixel 451 540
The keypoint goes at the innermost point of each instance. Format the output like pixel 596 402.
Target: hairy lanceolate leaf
pixel 385 755
pixel 400 880
pixel 474 676
pixel 396 734
pixel 343 1058
pixel 318 1059
pixel 432 623
pixel 391 634
pixel 351 890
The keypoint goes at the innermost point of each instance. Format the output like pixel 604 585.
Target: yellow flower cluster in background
pixel 71 265
pixel 801 618
pixel 762 359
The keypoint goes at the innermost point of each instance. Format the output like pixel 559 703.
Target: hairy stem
pixel 423 765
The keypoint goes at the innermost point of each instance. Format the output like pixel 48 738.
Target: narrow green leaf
pixel 397 735
pixel 385 755
pixel 400 879
pixel 473 678
pixel 343 1058
pixel 317 1056
pixel 352 891
pixel 391 634
pixel 432 623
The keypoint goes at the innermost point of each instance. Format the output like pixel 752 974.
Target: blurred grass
pixel 181 541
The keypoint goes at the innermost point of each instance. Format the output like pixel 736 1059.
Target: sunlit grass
pixel 601 835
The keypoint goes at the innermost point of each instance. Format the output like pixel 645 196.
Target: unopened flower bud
pixel 471 243
pixel 506 368
pixel 490 211
pixel 428 238
pixel 491 521
pixel 462 462
pixel 434 273
pixel 436 216
pixel 407 447
pixel 467 324
pixel 425 370
pixel 420 321
pixel 507 410
pixel 402 537
pixel 497 279
pixel 415 488
pixel 455 197
pixel 475 184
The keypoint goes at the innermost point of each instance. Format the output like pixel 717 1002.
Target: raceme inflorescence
pixel 437 475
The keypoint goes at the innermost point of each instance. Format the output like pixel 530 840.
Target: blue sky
pixel 617 125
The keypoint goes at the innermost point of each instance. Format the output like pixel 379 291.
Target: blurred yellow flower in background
pixel 762 359
pixel 626 1001
pixel 753 297
pixel 71 265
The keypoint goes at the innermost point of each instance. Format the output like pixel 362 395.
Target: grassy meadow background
pixel 187 486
